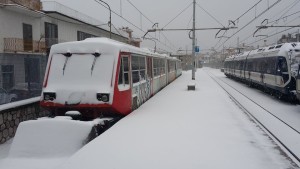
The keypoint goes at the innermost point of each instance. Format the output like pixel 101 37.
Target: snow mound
pixel 44 138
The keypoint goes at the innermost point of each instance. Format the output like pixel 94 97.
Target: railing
pixel 31 46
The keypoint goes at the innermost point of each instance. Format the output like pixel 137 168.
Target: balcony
pixel 30 46
pixel 32 4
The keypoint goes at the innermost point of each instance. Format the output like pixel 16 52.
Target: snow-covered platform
pixel 181 129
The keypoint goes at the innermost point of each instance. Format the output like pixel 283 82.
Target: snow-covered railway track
pixel 286 136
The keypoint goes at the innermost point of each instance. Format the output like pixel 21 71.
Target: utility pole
pixel 194 37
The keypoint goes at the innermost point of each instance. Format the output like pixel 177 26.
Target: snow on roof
pixel 90 45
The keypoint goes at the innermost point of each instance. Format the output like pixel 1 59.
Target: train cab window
pixel 282 65
pixel 124 70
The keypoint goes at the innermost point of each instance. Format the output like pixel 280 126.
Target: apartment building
pixel 28 28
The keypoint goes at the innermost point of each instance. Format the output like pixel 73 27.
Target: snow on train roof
pixel 280 49
pixel 108 45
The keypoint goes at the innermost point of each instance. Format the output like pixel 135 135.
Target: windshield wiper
pixel 96 54
pixel 67 55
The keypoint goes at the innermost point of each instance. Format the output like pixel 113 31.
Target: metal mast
pixel 194 37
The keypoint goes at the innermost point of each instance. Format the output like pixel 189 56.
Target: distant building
pixel 29 28
pixel 289 38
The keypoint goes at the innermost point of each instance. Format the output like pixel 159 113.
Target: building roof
pixel 54 8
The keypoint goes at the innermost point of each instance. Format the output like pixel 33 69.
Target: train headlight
pixel 103 97
pixel 49 96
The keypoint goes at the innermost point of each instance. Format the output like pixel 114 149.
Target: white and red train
pixel 102 77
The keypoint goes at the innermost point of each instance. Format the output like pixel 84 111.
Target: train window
pixel 264 65
pixel 142 67
pixel 124 70
pixel 125 63
pixel 282 65
pixel 135 63
pixel 138 68
pixel 249 65
pixel 135 77
pixel 254 65
pixel 171 66
pixel 156 67
pixel 149 68
pixel 121 73
pixel 135 69
pixel 272 47
pixel 162 67
pixel 279 46
pixel 142 63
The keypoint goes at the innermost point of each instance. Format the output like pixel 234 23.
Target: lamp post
pixel 109 15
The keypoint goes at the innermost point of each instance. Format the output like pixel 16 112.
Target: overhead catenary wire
pixel 284 17
pixel 280 18
pixel 139 11
pixel 238 18
pixel 133 25
pixel 290 7
pixel 150 22
pixel 178 15
pixel 274 4
pixel 275 33
pixel 214 18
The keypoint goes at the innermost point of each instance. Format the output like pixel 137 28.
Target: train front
pixel 79 77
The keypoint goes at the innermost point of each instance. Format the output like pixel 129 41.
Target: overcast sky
pixel 163 11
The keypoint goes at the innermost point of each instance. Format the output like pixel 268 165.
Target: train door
pixel 150 74
pixel 282 71
pixel 122 95
pixel 140 83
pixel 298 82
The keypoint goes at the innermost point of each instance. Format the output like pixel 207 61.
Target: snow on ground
pixel 287 112
pixel 183 129
pixel 174 129
pixel 45 143
pixel 4 149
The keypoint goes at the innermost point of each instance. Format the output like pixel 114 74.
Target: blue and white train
pixel 273 69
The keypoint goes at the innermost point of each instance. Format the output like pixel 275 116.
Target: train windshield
pixel 82 70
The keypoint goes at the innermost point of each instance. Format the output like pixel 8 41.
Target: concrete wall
pixel 11 118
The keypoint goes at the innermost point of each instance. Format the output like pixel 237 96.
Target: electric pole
pixel 194 37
